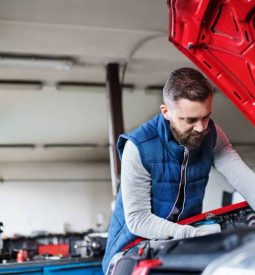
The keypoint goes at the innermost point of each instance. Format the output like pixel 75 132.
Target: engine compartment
pixel 193 255
pixel 229 221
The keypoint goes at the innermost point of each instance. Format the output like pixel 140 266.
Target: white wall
pixel 50 203
pixel 217 184
pixel 214 190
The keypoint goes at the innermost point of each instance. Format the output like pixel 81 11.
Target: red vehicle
pixel 192 255
pixel 218 37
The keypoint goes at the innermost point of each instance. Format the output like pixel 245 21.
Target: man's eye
pixel 190 121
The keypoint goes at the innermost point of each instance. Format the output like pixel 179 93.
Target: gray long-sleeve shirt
pixel 136 190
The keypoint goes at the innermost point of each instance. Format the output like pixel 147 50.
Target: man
pixel 166 164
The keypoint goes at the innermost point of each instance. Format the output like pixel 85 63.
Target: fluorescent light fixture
pixel 20 85
pixel 157 89
pixel 36 62
pixel 17 146
pixel 88 86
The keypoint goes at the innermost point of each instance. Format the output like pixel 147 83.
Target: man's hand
pixel 188 231
pixel 207 229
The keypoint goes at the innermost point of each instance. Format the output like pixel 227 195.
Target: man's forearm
pixel 136 195
pixel 238 174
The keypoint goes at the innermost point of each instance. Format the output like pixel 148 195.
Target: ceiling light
pixel 36 62
pixel 20 85
pixel 87 86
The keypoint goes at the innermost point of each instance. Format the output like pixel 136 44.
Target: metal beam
pixel 115 120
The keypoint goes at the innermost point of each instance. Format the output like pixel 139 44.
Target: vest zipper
pixel 183 171
pixel 185 181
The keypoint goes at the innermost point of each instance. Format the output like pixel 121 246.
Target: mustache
pixel 202 134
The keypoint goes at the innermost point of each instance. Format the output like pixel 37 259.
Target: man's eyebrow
pixel 196 118
pixel 207 115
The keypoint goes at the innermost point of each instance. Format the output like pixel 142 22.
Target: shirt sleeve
pixel 228 162
pixel 136 195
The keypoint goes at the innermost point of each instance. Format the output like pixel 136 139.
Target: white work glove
pixel 207 229
pixel 187 231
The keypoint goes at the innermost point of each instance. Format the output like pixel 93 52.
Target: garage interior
pixel 55 174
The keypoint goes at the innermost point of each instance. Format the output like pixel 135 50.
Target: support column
pixel 115 119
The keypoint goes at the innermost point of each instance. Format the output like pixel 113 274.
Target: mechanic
pixel 166 164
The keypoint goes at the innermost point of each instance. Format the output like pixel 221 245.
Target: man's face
pixel 188 120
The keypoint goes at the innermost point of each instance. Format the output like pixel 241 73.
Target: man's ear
pixel 164 111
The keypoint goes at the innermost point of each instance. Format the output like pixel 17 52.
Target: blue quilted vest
pixel 162 157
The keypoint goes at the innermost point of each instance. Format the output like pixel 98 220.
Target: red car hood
pixel 218 36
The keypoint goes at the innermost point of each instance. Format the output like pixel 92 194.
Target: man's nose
pixel 199 127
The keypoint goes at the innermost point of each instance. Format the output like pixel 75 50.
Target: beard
pixel 190 139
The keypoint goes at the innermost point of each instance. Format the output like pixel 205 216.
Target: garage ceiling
pixel 50 110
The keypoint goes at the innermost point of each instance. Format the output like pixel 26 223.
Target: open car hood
pixel 218 37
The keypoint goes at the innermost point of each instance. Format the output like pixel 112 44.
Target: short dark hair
pixel 187 83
